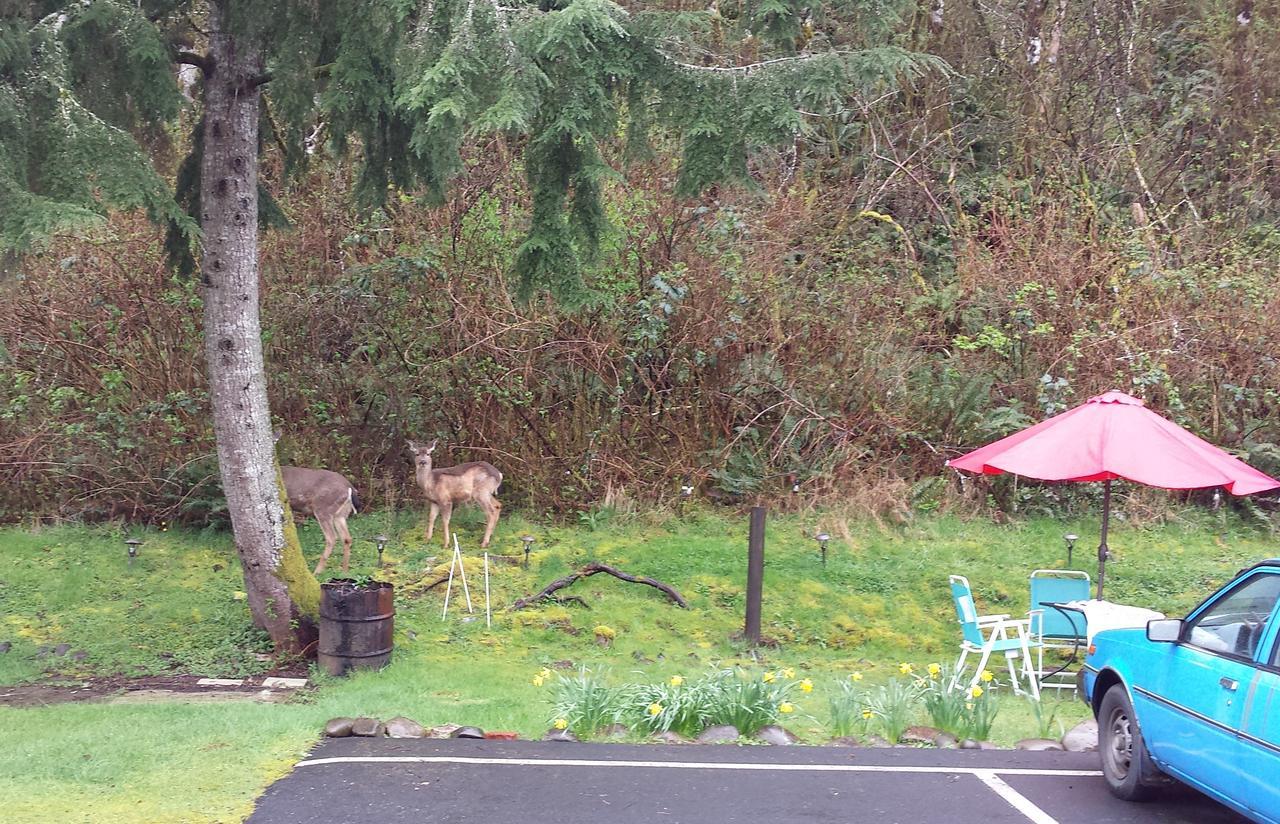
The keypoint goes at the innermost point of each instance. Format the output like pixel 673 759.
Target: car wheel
pixel 1128 769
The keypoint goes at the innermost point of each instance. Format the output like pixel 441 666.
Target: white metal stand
pixel 462 573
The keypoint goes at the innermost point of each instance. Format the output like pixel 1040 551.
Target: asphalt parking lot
pixel 487 782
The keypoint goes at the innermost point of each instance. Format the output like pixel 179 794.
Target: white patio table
pixel 1100 615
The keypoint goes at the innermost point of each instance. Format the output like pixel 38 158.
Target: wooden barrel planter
pixel 356 625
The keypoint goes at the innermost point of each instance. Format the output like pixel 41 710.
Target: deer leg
pixel 431 521
pixel 329 538
pixel 492 508
pixel 341 523
pixel 446 510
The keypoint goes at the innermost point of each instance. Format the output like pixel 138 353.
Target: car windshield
pixel 1234 624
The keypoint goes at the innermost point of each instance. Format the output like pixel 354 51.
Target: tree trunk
pixel 283 596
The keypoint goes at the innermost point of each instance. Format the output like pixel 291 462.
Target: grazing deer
pixel 330 499
pixel 475 482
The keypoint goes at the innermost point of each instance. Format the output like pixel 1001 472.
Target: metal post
pixel 755 574
pixel 1103 551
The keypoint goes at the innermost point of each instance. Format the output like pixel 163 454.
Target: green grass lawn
pixel 882 599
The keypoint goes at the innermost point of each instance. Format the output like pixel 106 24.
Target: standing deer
pixel 475 482
pixel 330 499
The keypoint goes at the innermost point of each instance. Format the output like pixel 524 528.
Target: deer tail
pixel 354 498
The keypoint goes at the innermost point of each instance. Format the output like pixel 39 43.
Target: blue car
pixel 1196 699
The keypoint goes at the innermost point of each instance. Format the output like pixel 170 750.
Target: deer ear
pixel 432 447
pixel 413 447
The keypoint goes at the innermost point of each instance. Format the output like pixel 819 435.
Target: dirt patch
pixel 119 688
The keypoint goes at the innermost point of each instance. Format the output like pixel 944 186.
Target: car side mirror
pixel 1167 631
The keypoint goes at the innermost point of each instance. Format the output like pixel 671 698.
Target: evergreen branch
pixel 750 67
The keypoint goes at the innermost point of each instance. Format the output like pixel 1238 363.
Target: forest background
pixel 1084 198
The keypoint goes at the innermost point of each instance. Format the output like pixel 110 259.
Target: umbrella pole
pixel 1103 552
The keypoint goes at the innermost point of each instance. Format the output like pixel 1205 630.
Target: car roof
pixel 1271 562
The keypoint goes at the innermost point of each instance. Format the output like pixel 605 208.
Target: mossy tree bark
pixel 283 596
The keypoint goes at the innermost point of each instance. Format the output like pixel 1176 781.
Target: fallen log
pixel 594 569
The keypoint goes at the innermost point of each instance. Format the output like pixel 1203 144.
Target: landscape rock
pixel 718 734
pixel 220 682
pixel 1083 737
pixel 61 650
pixel 669 737
pixel 1038 745
pixel 846 741
pixel 442 731
pixel 366 727
pixel 401 727
pixel 778 736
pixel 564 665
pixel 970 744
pixel 920 735
pixel 945 741
pixel 468 732
pixel 877 741
pixel 338 727
pixel 284 683
pixel 5 646
pixel 613 731
pixel 559 735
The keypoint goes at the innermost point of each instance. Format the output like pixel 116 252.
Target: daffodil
pixel 905 668
pixel 786 707
pixel 544 672
pixel 855 676
pixel 935 670
pixel 976 692
pixel 788 672
pixel 655 709
pixel 987 676
pixel 806 685
pixel 537 680
pixel 561 723
pixel 968 705
pixel 767 677
pixel 866 714
pixel 677 680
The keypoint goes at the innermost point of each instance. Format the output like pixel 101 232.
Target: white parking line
pixel 982 773
pixel 1016 799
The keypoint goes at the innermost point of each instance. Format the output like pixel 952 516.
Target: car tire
pixel 1127 767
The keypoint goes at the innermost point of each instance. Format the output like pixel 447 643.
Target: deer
pixel 329 498
pixel 476 482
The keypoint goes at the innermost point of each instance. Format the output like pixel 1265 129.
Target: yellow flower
pixel 788 672
pixel 855 676
pixel 767 677
pixel 934 670
pixel 786 707
pixel 976 692
pixel 968 705
pixel 867 714
pixel 987 676
pixel 537 680
pixel 676 680
pixel 905 668
pixel 806 685
pixel 561 723
pixel 544 672
pixel 655 709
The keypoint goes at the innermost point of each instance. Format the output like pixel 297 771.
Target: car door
pixel 1195 706
pixel 1260 730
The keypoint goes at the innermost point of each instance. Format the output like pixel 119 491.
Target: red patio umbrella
pixel 1114 436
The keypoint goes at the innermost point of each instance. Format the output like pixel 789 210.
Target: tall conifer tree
pixel 85 85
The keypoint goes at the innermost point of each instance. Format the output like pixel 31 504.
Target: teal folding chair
pixel 1054 627
pixel 987 635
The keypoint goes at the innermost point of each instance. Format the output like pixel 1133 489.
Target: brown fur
pixel 476 482
pixel 330 499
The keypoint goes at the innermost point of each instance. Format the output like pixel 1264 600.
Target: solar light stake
pixel 528 544
pixel 132 545
pixel 1071 545
pixel 822 539
pixel 381 541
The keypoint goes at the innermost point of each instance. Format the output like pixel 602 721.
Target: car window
pixel 1234 624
